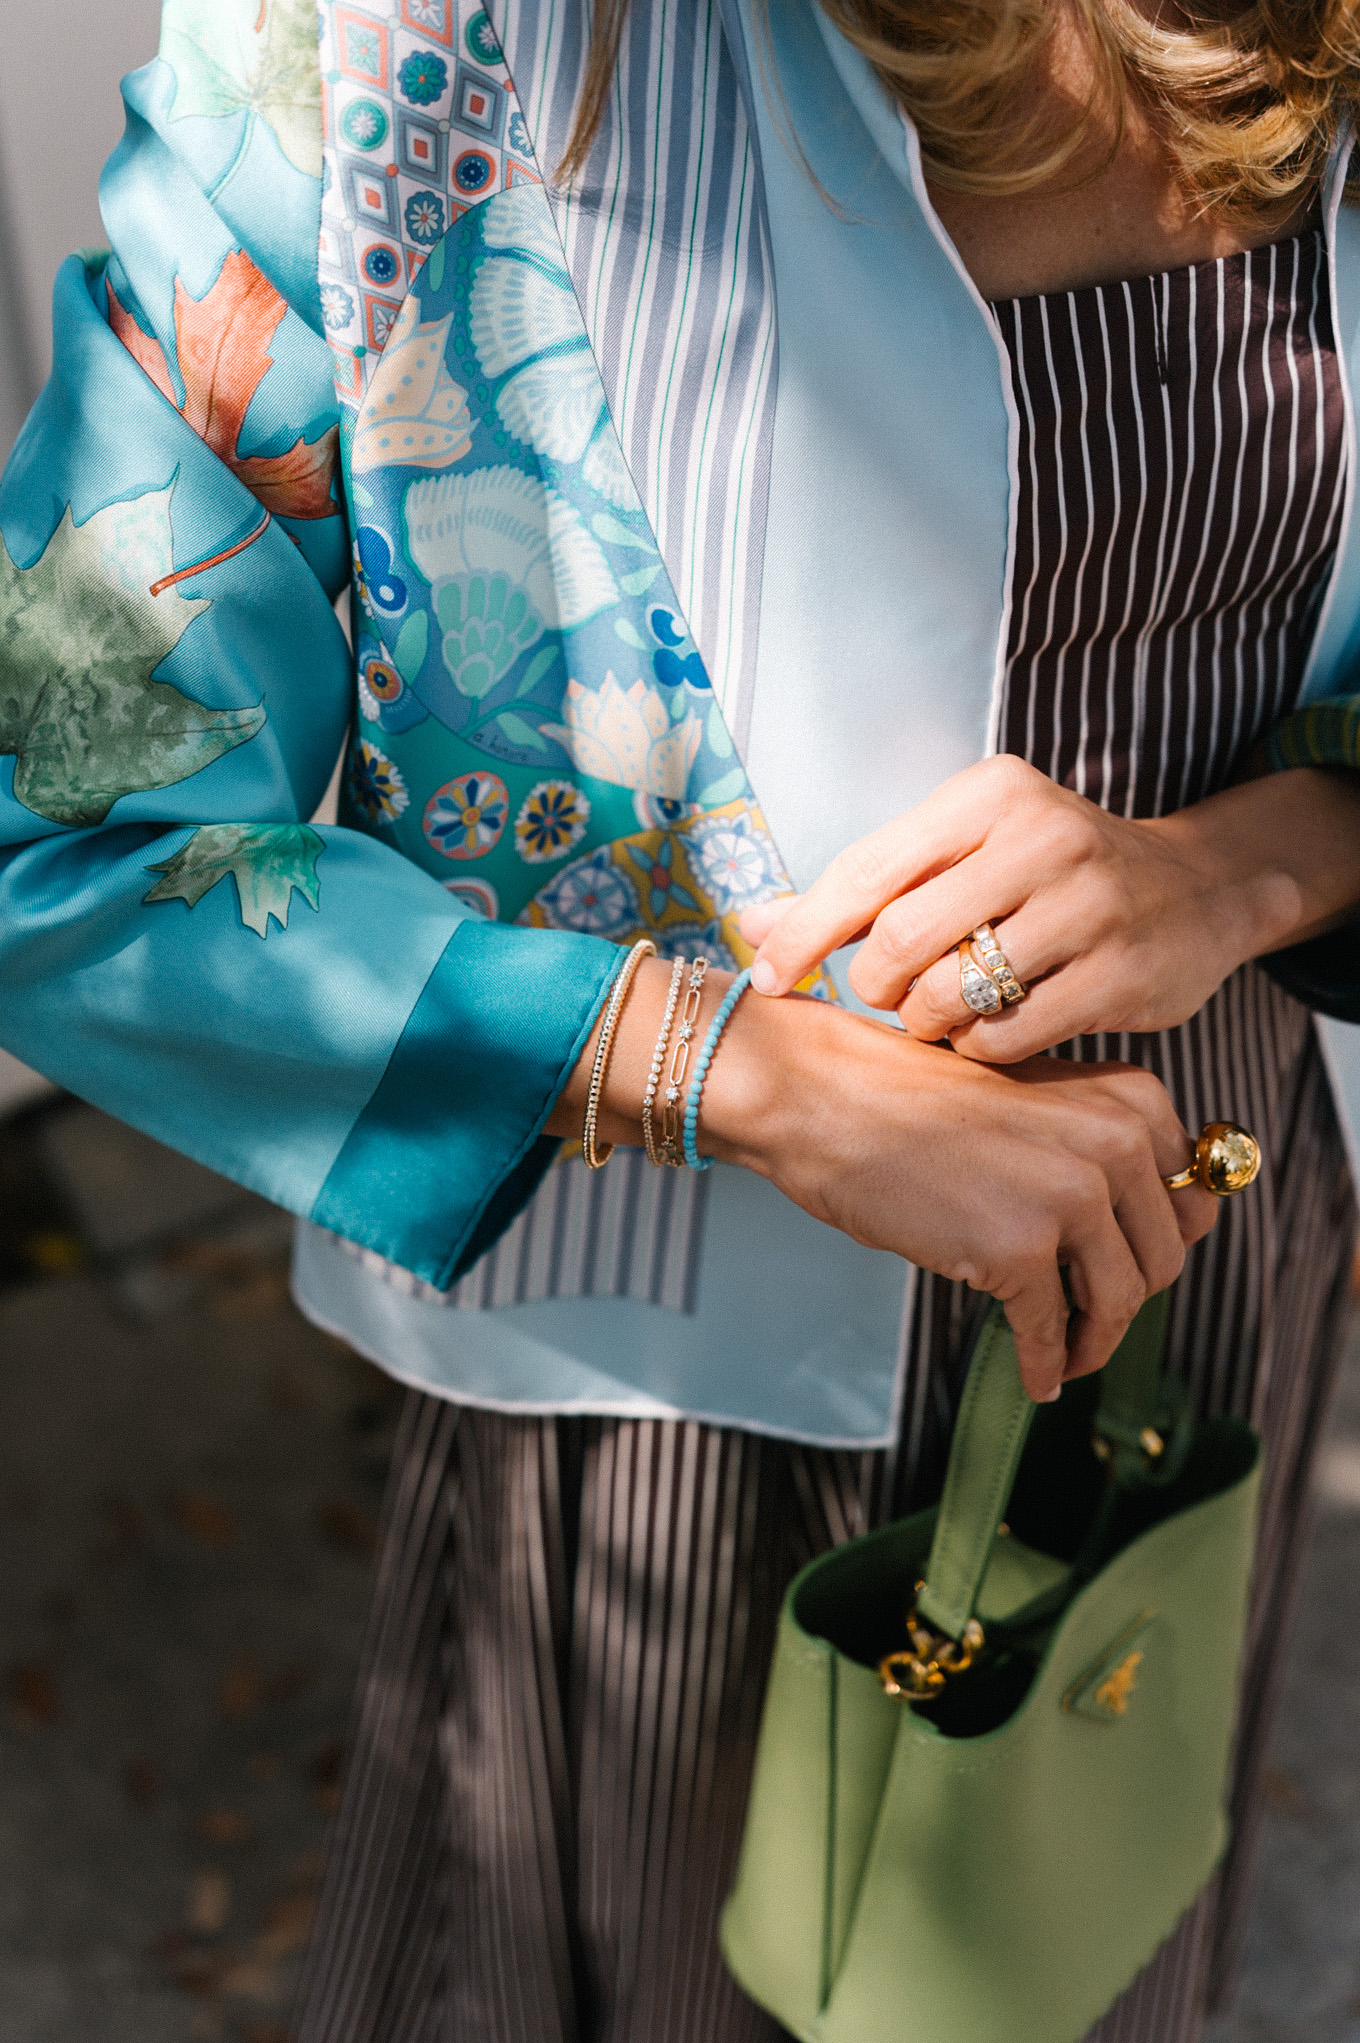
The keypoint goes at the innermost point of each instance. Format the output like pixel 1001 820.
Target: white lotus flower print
pixel 625 735
pixel 526 326
pixel 415 414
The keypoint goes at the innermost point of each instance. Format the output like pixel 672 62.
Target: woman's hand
pixel 999 1179
pixel 1111 924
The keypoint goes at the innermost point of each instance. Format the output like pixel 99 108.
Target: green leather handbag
pixel 992 1762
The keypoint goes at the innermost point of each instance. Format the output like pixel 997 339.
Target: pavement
pixel 190 1478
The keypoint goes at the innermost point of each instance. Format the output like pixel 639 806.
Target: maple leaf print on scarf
pixel 82 634
pixel 268 861
pixel 222 344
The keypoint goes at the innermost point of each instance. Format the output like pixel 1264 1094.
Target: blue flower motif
pixel 592 896
pixel 733 862
pixel 663 887
pixel 425 217
pixel 337 307
pixel 424 77
pixel 364 124
pixel 381 585
pixel 517 135
pixel 376 784
pixel 480 38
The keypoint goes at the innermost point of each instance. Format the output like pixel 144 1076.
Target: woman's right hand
pixel 1000 1179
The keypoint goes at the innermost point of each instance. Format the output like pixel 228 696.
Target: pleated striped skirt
pixel 558 1709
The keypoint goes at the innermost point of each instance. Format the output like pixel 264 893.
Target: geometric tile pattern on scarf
pixel 536 725
pixel 420 122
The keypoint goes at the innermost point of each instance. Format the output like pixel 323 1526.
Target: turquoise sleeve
pixel 301 1008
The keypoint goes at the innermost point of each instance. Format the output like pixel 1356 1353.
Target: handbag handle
pixel 1138 1407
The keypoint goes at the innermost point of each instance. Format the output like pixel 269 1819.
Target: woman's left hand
pixel 1110 924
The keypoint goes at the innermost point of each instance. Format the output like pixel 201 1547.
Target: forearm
pixel 1283 852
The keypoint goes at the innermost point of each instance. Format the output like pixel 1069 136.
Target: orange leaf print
pixel 222 342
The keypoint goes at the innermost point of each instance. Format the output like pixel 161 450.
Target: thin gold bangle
pixel 597 1159
pixel 654 1155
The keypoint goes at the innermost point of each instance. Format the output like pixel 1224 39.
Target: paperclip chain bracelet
pixel 654 1155
pixel 596 1159
pixel 696 1084
pixel 674 1096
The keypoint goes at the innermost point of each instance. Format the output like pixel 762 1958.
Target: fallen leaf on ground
pixel 347 1525
pixel 209 1523
pixel 141 1783
pixel 34 1694
pixel 53 1252
pixel 286 1925
pixel 222 1825
pixel 209 1908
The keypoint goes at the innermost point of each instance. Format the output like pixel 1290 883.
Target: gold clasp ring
pixel 917 1673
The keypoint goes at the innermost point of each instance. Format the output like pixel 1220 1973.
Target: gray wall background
pixel 60 117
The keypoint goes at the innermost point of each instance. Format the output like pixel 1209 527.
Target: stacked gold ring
pixel 996 964
pixel 987 981
pixel 1227 1159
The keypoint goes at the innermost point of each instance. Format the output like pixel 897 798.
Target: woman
pixel 881 386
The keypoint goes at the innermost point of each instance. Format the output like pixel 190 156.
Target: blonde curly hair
pixel 1250 99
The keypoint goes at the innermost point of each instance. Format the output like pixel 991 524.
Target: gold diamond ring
pixel 979 989
pixel 1226 1161
pixel 996 964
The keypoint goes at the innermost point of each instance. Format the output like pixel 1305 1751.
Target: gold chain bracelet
pixel 596 1159
pixel 654 1155
pixel 673 1100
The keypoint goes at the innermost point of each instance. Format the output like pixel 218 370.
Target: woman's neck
pixel 1110 217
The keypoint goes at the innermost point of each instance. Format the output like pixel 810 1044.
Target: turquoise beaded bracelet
pixel 696 1084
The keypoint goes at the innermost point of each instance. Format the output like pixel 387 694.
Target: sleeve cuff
pixel 1323 973
pixel 450 1146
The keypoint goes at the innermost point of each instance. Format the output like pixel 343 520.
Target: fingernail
pixel 762 976
pixel 1050 1397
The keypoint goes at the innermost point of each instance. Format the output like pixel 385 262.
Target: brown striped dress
pixel 558 1707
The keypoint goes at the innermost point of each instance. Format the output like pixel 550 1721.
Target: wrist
pixel 636 1034
pixel 1247 897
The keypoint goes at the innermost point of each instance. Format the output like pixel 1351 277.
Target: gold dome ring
pixel 1226 1161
